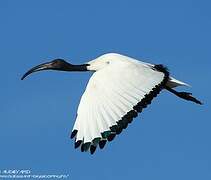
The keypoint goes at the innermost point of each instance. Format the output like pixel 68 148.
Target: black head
pixel 56 64
pixel 60 65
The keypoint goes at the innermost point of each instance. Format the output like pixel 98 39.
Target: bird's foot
pixel 188 96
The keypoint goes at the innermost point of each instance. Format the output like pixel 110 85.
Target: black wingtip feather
pixel 92 149
pixel 78 143
pixel 73 134
pixel 119 130
pixel 85 146
pixel 102 144
pixel 82 148
pixel 111 137
pixel 114 128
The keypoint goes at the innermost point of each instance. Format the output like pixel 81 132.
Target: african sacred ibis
pixel 118 90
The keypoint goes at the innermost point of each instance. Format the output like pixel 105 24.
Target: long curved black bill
pixel 57 64
pixel 40 67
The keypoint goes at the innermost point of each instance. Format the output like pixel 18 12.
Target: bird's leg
pixel 184 95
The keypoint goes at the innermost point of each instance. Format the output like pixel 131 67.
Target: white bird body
pixel 117 85
pixel 118 90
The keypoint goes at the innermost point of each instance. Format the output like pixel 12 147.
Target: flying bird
pixel 119 89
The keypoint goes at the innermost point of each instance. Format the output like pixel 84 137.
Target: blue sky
pixel 169 140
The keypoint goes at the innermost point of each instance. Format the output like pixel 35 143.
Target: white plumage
pixel 118 84
pixel 118 90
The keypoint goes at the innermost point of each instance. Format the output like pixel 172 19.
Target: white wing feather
pixel 110 94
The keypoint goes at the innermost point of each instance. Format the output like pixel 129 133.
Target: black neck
pixel 71 67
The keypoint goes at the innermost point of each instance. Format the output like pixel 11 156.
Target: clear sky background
pixel 171 139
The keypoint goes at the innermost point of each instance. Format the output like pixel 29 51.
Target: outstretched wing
pixel 113 97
